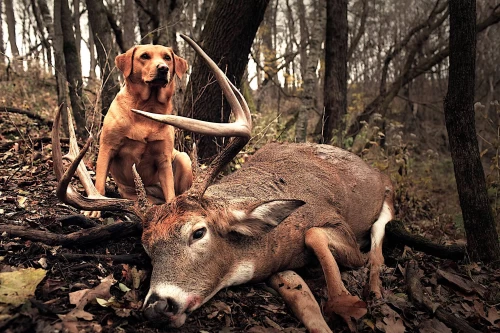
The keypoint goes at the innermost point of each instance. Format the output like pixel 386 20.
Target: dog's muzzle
pixel 162 76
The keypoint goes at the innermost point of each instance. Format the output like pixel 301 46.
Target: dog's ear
pixel 125 61
pixel 181 66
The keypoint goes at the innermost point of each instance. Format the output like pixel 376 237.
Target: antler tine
pixel 241 127
pixel 65 192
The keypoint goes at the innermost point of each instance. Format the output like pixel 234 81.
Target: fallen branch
pixel 422 301
pixel 397 234
pixel 27 113
pixel 82 238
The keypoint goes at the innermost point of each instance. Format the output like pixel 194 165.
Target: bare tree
pixel 73 68
pixel 129 21
pixel 78 30
pixel 60 65
pixel 41 31
pixel 482 237
pixel 2 46
pixel 11 26
pixel 335 87
pixel 317 19
pixel 106 53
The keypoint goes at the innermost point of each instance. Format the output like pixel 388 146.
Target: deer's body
pixel 324 177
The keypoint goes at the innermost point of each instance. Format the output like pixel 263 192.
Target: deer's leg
pixel 376 259
pixel 325 243
pixel 299 298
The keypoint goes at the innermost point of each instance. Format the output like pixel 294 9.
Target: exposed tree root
pixel 27 113
pixel 397 234
pixel 422 301
pixel 82 238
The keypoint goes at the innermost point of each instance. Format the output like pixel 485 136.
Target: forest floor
pixel 114 287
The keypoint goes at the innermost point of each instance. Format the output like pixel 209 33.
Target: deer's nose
pixel 157 307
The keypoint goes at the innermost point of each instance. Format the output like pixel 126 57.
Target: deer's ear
pixel 125 62
pixel 263 217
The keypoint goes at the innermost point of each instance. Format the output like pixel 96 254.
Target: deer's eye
pixel 145 56
pixel 199 233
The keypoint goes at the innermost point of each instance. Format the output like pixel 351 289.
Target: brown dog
pixel 128 138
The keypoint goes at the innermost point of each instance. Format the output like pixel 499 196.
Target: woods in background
pixel 353 73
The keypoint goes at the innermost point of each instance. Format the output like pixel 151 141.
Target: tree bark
pixel 41 30
pixel 106 53
pixel 310 77
pixel 78 30
pixel 335 88
pixel 129 22
pixel 482 237
pixel 11 27
pixel 227 37
pixel 60 65
pixel 73 69
pixel 2 46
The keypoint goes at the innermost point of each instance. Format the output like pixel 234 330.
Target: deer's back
pixel 333 182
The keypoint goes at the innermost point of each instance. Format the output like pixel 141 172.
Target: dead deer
pixel 289 206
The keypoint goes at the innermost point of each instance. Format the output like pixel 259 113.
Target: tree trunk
pixel 128 23
pixel 60 66
pixel 143 18
pixel 106 53
pixel 73 69
pixel 335 88
pixel 310 77
pixel 168 23
pixel 227 37
pixel 11 27
pixel 482 237
pixel 2 46
pixel 78 30
pixel 41 30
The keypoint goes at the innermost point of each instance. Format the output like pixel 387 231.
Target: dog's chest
pixel 147 131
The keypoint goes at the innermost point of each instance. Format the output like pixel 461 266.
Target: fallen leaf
pixel 16 287
pixel 82 297
pixel 392 322
pixel 463 284
pixel 434 326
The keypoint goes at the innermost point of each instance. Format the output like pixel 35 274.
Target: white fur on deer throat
pixel 240 274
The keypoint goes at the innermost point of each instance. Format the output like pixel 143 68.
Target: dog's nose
pixel 162 68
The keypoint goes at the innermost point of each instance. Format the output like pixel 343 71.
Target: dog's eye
pixel 145 56
pixel 167 57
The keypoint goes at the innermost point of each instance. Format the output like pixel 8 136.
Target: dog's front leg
pixel 166 176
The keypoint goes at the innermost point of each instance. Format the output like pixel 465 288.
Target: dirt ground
pixel 467 291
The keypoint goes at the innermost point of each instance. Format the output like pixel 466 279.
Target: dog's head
pixel 153 65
